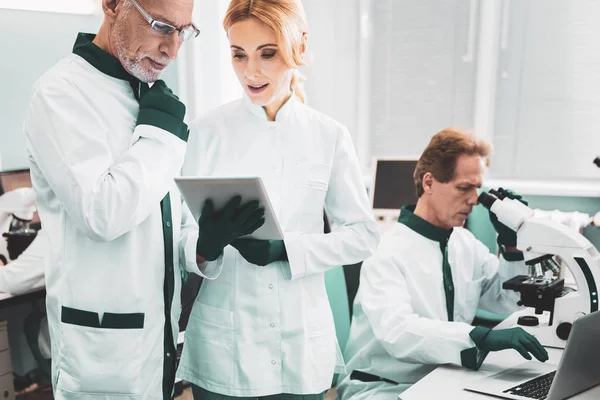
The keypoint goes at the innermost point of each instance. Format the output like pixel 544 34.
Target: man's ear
pixel 111 9
pixel 428 182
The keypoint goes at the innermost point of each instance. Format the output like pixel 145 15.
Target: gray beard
pixel 133 63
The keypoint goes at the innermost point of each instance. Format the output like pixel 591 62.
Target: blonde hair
pixel 287 19
pixel 442 152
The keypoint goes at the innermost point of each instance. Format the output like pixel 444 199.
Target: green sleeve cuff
pixel 478 335
pixel 164 121
pixel 283 254
pixel 512 256
pixel 473 357
pixel 507 240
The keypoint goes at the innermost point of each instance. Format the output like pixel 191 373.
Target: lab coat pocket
pixel 312 184
pixel 208 348
pixel 322 358
pixel 112 360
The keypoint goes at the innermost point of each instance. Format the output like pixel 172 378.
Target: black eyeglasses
pixel 164 29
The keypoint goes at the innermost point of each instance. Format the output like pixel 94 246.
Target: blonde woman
pixel 263 328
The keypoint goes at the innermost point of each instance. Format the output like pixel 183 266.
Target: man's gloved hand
pixel 219 229
pixel 261 252
pixel 506 236
pixel 160 107
pixel 513 338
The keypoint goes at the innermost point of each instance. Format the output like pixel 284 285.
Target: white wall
pixel 423 64
pixel 31 43
pixel 548 104
pixel 37 41
pixel 528 79
pixel 206 75
pixel 332 78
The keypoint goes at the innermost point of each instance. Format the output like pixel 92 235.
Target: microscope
pixel 543 243
pixel 17 208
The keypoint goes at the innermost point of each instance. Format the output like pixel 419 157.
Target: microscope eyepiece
pixel 487 199
pixel 498 193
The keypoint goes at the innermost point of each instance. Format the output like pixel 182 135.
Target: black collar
pixel 422 227
pixel 100 59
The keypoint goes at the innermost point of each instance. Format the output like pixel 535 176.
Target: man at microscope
pixel 419 293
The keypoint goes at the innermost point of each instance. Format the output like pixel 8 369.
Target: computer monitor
pixel 11 180
pixel 393 183
pixel 392 187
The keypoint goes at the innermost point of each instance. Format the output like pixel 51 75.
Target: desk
pixel 9 300
pixel 447 382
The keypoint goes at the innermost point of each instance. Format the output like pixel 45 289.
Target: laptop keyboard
pixel 537 388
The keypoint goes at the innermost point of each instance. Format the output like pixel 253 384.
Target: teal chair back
pixel 335 283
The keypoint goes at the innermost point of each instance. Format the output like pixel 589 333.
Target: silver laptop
pixel 578 370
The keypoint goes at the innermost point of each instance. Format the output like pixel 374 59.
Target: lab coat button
pixel 168 224
pixel 272 325
pixel 273 362
pixel 168 354
pixel 271 286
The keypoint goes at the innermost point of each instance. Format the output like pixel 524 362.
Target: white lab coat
pixel 257 331
pixel 100 181
pixel 400 329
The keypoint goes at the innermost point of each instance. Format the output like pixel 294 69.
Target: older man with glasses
pixel 104 150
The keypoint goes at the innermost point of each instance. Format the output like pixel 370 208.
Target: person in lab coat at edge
pixel 104 150
pixel 419 293
pixel 264 327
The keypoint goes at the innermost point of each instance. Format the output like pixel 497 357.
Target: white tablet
pixel 196 190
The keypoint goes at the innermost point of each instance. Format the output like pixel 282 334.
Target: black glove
pixel 506 236
pixel 512 338
pixel 261 252
pixel 218 229
pixel 161 108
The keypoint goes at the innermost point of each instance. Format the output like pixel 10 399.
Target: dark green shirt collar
pixel 99 59
pixel 422 227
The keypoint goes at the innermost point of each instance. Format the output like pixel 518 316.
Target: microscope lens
pixel 553 266
pixel 497 194
pixel 546 266
pixel 538 270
